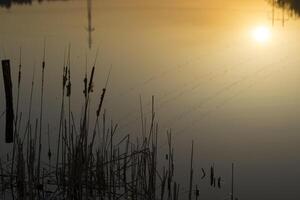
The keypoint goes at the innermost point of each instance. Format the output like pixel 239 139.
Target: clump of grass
pixel 84 168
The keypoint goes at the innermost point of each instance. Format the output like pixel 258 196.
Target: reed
pixel 86 168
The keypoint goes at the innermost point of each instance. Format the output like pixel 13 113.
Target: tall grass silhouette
pixel 111 168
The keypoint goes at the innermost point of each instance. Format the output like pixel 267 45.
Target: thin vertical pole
pixel 232 181
pixel 191 172
pixel 283 19
pixel 273 12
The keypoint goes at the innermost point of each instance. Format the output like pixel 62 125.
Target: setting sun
pixel 261 34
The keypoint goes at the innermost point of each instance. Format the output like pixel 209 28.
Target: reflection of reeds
pixel 293 6
pixel 90 164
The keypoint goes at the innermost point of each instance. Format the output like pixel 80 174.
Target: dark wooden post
pixel 9 128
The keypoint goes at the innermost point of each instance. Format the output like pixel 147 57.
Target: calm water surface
pixel 220 72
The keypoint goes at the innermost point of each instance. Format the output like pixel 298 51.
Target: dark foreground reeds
pixel 80 167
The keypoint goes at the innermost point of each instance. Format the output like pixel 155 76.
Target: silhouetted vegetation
pixel 90 161
pixel 292 5
pixel 9 3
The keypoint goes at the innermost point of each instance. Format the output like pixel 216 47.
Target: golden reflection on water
pixel 261 34
pixel 219 70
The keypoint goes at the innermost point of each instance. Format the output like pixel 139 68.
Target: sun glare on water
pixel 261 34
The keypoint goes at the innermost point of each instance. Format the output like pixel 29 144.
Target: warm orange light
pixel 261 34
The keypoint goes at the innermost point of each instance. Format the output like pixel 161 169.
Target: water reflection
pixel 293 6
pixel 211 80
pixel 9 3
pixel 90 27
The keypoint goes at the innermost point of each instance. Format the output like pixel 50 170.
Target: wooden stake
pixel 9 130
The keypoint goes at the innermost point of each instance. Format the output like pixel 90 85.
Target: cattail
pixel 90 87
pixel 85 90
pixel 49 149
pixel 103 93
pixel 113 172
pixel 20 65
pixel 65 76
pixel 219 182
pixel 197 192
pixel 203 173
pixel 69 85
pixel 41 114
pixel 212 175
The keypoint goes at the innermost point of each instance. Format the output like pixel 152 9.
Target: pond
pixel 223 73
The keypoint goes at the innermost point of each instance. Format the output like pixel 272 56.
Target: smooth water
pixel 236 95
